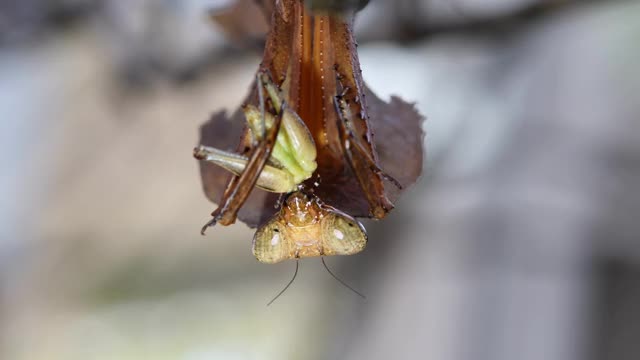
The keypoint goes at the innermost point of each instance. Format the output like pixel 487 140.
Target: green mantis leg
pixel 240 186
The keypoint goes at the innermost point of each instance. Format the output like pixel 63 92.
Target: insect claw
pixel 198 153
pixel 209 224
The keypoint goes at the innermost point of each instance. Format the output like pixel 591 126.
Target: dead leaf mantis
pixel 308 135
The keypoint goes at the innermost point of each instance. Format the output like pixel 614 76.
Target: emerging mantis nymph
pixel 304 227
pixel 293 156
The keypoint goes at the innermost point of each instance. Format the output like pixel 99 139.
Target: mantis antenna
pixel 286 287
pixel 340 281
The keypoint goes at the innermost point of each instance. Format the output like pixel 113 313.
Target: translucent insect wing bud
pixel 270 244
pixel 342 235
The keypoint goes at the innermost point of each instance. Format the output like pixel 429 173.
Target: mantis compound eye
pixel 342 235
pixel 270 244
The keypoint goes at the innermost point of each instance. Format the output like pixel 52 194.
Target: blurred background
pixel 520 241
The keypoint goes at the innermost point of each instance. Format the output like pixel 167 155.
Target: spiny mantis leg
pixel 368 173
pixel 240 187
pixel 345 114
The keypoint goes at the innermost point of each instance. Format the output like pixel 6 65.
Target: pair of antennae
pixel 330 273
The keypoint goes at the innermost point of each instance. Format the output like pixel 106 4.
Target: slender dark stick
pixel 261 100
pixel 340 281
pixel 286 287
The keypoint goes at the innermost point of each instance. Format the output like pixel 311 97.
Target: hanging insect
pixel 304 226
pixel 307 144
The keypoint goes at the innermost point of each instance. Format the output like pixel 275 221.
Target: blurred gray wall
pixel 519 242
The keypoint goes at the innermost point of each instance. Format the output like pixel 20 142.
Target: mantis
pixel 304 227
pixel 308 139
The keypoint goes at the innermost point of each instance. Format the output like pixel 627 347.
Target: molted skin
pixel 305 227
